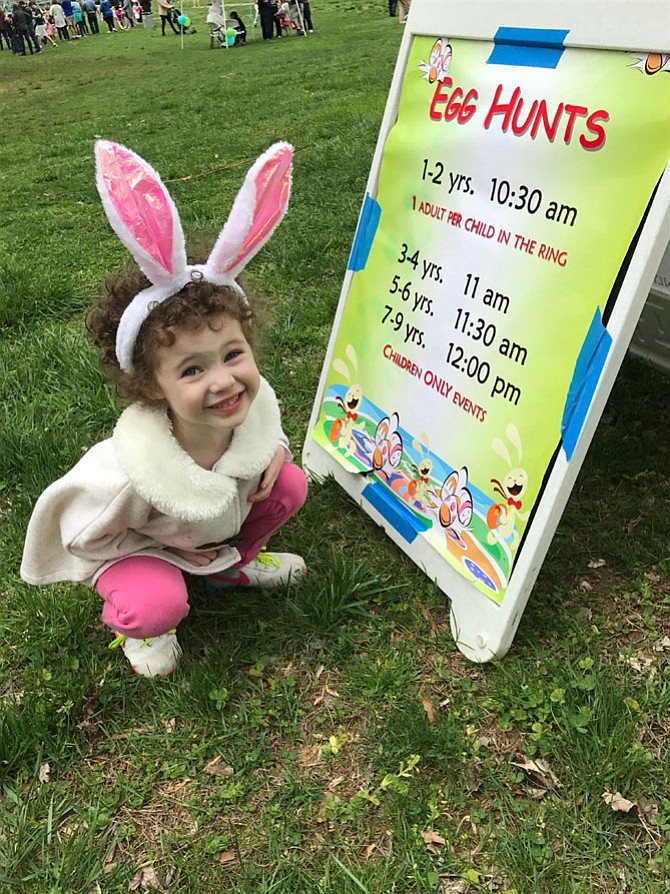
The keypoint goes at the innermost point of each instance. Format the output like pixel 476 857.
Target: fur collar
pixel 164 475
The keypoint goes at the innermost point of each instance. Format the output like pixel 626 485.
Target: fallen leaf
pixel 431 837
pixel 597 563
pixel 640 662
pixel 539 771
pixel 213 768
pixel 662 645
pixel 585 586
pixel 453 886
pixel 332 785
pixel 226 857
pixel 169 724
pixel 309 755
pixel 381 846
pixel 617 802
pixel 145 878
pixel 428 708
pixel 43 775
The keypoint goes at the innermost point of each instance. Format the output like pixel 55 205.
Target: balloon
pixel 230 40
pixel 230 32
pixel 181 20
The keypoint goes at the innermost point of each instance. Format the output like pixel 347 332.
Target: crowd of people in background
pixel 28 26
pixel 284 16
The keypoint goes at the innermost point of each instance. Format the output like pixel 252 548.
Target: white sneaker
pixel 267 570
pixel 156 656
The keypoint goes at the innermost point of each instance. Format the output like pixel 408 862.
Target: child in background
pixel 42 29
pixel 51 31
pixel 197 474
pixel 240 28
pixel 283 17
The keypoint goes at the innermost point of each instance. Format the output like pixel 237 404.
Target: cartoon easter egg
pixel 654 63
pixel 336 430
pixel 495 516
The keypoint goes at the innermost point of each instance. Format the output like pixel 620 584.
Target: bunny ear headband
pixel 145 219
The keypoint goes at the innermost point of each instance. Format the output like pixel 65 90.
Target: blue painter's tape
pixel 365 233
pixel 531 47
pixel 393 511
pixel 585 378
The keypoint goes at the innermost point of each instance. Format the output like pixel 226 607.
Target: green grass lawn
pixel 330 739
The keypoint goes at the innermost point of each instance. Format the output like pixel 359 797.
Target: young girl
pixel 197 474
pixel 50 31
pixel 240 28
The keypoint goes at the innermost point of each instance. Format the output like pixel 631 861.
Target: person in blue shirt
pixel 92 15
pixel 107 14
pixel 69 17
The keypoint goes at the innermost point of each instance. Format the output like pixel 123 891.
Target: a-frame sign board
pixel 516 212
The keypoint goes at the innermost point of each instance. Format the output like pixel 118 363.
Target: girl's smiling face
pixel 209 380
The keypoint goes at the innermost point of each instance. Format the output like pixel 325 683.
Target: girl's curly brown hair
pixel 196 304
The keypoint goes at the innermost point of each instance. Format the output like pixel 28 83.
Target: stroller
pixel 174 14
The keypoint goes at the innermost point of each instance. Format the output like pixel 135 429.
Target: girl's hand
pixel 199 559
pixel 269 478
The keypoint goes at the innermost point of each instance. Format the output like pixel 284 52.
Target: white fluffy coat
pixel 139 492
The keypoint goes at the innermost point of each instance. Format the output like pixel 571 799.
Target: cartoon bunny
pixel 343 427
pixel 419 488
pixel 502 517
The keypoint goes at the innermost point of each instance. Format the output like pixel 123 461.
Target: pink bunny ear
pixel 140 210
pixel 257 211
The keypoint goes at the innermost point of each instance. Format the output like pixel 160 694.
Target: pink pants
pixel 145 596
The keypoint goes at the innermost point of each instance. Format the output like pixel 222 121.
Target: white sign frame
pixel 484 630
